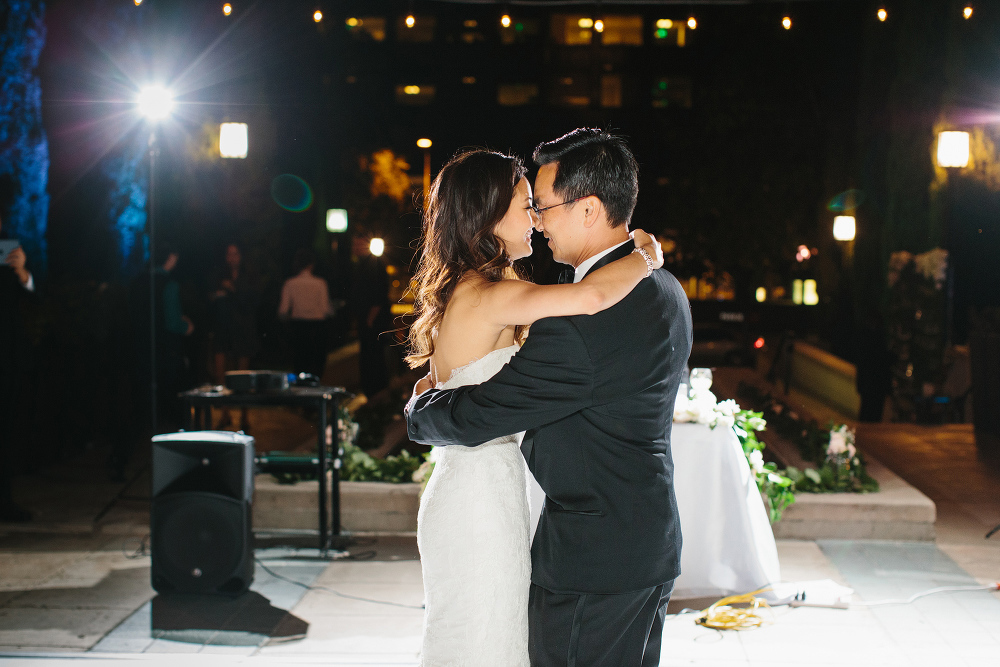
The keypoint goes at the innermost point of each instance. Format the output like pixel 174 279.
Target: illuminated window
pixel 622 30
pixel 611 90
pixel 422 30
pixel 517 94
pixel 414 95
pixel 671 92
pixel 571 91
pixel 520 31
pixel 667 32
pixel 572 29
pixel 366 28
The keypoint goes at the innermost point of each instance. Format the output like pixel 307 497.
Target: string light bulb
pixel 692 22
pixel 410 21
pixel 967 12
pixel 505 20
pixel 599 25
pixel 786 23
pixel 227 9
pixel 882 14
pixel 317 16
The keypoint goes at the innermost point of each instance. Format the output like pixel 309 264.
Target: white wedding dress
pixel 472 531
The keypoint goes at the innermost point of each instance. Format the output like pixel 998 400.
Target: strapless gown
pixel 473 535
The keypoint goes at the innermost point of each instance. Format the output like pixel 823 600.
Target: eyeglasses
pixel 538 211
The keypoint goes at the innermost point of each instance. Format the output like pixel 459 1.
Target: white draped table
pixel 728 544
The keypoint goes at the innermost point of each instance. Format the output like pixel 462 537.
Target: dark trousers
pixel 591 630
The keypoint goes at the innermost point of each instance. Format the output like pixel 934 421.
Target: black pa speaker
pixel 201 521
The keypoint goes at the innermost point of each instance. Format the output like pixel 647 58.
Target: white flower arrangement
pixel 841 448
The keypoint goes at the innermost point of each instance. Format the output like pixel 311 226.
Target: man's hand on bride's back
pixel 650 245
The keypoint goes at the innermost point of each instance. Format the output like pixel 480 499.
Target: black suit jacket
pixel 595 395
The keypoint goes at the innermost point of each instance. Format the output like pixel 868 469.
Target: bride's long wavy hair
pixel 470 195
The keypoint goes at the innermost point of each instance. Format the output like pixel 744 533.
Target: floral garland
pixel 774 484
pixel 839 466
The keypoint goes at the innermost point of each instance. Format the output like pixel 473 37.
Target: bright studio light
pixel 233 140
pixel 953 149
pixel 505 20
pixel 424 143
pixel 844 228
pixel 155 102
pixel 376 247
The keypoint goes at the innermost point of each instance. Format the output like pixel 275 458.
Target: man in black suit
pixel 595 395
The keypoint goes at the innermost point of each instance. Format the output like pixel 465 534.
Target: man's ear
pixel 591 210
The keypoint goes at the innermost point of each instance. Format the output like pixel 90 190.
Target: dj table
pixel 323 399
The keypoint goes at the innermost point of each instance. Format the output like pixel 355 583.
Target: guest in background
pixel 17 300
pixel 305 303
pixel 370 304
pixel 234 322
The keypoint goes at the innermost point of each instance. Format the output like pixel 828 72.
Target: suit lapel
pixel 617 253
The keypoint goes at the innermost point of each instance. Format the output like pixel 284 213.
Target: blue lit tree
pixel 24 149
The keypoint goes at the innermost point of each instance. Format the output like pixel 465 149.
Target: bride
pixel 473 314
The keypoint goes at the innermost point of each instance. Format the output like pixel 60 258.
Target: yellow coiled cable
pixel 723 616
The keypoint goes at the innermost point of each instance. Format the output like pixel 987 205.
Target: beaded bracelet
pixel 649 260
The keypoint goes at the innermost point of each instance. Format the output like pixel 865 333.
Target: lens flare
pixel 291 193
pixel 155 102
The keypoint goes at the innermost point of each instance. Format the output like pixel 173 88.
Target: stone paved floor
pixel 78 597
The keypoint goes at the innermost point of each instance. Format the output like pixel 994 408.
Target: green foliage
pixel 359 466
pixel 832 473
pixel 773 483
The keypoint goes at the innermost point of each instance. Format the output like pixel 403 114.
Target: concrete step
pixel 897 511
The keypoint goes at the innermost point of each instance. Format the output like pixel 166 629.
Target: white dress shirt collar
pixel 588 263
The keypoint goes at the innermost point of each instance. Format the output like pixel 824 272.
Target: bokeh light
pixel 291 193
pixel 882 14
pixel 599 25
pixel 761 295
pixel 505 20
pixel 424 143
pixel 786 23
pixel 317 16
pixel 953 149
pixel 585 23
pixel 411 21
pixel 233 141
pixel 967 12
pixel 844 228
pixel 227 9
pixel 377 247
pixel 664 24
